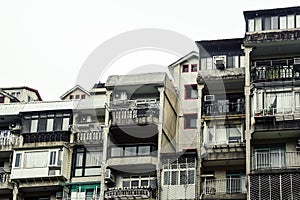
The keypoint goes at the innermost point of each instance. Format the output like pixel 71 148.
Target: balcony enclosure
pixel 275 159
pixel 129 112
pixel 224 186
pixel 230 104
pixel 272 70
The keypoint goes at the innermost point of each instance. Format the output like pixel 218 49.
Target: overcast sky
pixel 43 44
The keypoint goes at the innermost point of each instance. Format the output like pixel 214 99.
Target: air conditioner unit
pixel 219 62
pixel 296 61
pixel 14 126
pixel 209 97
pixel 86 118
pixel 109 176
pixel 119 95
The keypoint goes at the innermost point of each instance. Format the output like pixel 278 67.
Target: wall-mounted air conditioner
pixel 209 97
pixel 14 126
pixel 109 176
pixel 219 62
pixel 296 61
pixel 119 95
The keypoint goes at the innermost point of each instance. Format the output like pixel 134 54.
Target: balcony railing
pixel 224 186
pixel 89 136
pixel 4 178
pixel 134 112
pixel 270 70
pixel 224 108
pixel 9 140
pixel 130 193
pixel 275 160
pixel 276 111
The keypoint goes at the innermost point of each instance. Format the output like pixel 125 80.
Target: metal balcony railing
pixel 89 136
pixel 275 160
pixel 4 177
pixel 269 70
pixel 224 108
pixel 276 111
pixel 129 193
pixel 224 186
pixel 9 140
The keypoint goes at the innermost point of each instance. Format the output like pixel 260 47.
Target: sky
pixel 44 44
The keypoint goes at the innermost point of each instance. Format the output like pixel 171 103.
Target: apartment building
pixel 272 51
pixel 222 110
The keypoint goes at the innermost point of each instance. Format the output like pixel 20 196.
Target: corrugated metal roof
pixel 49 105
pixel 11 108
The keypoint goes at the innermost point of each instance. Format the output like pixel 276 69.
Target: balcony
pixel 224 186
pixel 275 70
pixel 5 182
pixel 130 193
pixel 133 112
pixel 272 36
pixel 224 108
pixel 276 160
pixel 8 140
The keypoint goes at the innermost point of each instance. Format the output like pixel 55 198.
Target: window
pixel 233 62
pixel 44 122
pixel 274 23
pixel 220 134
pixel 278 102
pixel 190 121
pixel 191 92
pixel 269 157
pixel 185 68
pixel 207 63
pixel 282 22
pixel 235 182
pixel 71 97
pixel 267 23
pixel 83 96
pixel 18 160
pixel 77 96
pixel 250 25
pixel 258 24
pixel 36 159
pixel 194 67
pixel 128 151
pixel 1 99
pixel 297 21
pixel 52 158
pixel 178 173
pixel 139 181
pixel 290 21
pixel 254 24
pixel 87 162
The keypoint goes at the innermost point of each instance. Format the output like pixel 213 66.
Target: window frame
pixel 192 67
pixel 188 89
pixel 185 66
pixel 190 116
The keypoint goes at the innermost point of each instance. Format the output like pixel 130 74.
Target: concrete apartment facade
pixel 225 125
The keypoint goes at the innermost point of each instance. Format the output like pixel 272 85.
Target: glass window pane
pixel 79 159
pixel 126 183
pixel 297 21
pixel 34 125
pixel 26 125
pixel 191 176
pixel 65 126
pixel 258 24
pixel 282 22
pixel 144 150
pixel 116 152
pixel 18 160
pixel 58 123
pixel 274 23
pixel 93 158
pixel 78 172
pixel 92 171
pixel 166 178
pixel 291 21
pixel 203 63
pixel 134 183
pixel 250 25
pixel 36 159
pixel 174 178
pixel 130 151
pixel 52 158
pixel 209 63
pixel 144 183
pixel 42 124
pixel 183 177
pixel 50 124
pixel 267 23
